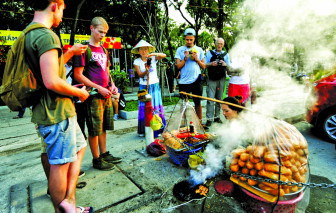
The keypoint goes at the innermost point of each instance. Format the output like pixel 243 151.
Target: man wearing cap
pixel 216 61
pixel 190 60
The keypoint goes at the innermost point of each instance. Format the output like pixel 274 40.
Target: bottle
pixel 191 127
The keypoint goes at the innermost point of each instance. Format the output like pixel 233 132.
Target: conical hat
pixel 142 43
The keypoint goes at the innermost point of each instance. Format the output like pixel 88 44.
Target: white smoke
pixel 275 30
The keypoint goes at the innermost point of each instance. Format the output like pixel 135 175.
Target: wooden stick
pixel 215 100
pixel 228 103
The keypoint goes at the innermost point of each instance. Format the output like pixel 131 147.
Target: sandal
pixel 80 185
pixel 88 209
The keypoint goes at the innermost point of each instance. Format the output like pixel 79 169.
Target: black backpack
pixel 217 72
pixel 122 101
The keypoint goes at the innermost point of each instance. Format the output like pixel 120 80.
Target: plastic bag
pixel 278 152
pixel 156 148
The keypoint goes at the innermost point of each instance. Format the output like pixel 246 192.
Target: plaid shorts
pixel 99 115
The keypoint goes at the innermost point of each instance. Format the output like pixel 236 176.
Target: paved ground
pixel 140 183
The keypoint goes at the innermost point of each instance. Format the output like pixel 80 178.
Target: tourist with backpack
pixel 217 61
pixel 52 109
pixel 92 69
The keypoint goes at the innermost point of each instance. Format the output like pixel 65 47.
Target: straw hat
pixel 142 43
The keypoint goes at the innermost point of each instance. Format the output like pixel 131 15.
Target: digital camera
pixel 219 63
pixel 149 61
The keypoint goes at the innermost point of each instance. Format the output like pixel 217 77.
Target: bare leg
pixel 58 183
pixel 198 109
pixel 102 142
pixel 93 141
pixel 116 106
pixel 69 203
pixel 45 164
pixel 73 176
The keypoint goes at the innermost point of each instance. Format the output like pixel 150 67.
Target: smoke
pixel 274 35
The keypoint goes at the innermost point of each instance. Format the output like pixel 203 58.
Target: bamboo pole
pixel 228 103
pixel 215 100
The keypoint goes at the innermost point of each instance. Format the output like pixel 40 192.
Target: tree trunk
pixel 72 35
pixel 170 48
pixel 220 18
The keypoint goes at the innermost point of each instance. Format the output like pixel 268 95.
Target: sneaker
pixel 218 120
pixel 205 127
pixel 81 174
pixel 115 117
pixel 109 158
pixel 141 135
pixel 208 123
pixel 17 117
pixel 100 164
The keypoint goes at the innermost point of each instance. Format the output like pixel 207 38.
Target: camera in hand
pixel 219 63
pixel 149 61
pixel 190 52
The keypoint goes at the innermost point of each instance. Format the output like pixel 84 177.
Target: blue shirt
pixel 208 56
pixel 191 70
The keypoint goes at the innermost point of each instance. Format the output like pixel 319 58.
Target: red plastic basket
pixel 257 204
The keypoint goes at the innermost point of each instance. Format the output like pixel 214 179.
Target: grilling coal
pixel 186 191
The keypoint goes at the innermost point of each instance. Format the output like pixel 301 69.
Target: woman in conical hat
pixel 147 71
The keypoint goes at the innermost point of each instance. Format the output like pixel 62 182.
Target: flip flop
pixel 88 209
pixel 81 185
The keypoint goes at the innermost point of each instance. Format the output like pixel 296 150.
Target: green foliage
pixel 134 105
pixel 120 79
pixel 206 41
pixel 318 74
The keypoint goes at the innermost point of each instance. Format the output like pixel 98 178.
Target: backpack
pixel 122 101
pixel 21 87
pixel 218 72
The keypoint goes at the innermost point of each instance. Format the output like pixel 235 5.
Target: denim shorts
pixel 63 140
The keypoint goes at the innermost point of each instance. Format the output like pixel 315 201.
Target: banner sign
pixel 10 37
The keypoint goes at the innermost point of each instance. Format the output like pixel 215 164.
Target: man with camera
pixel 190 60
pixel 217 62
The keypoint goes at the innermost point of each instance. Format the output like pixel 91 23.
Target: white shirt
pixel 153 79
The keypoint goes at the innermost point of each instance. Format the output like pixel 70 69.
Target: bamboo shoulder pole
pixel 228 103
pixel 215 100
